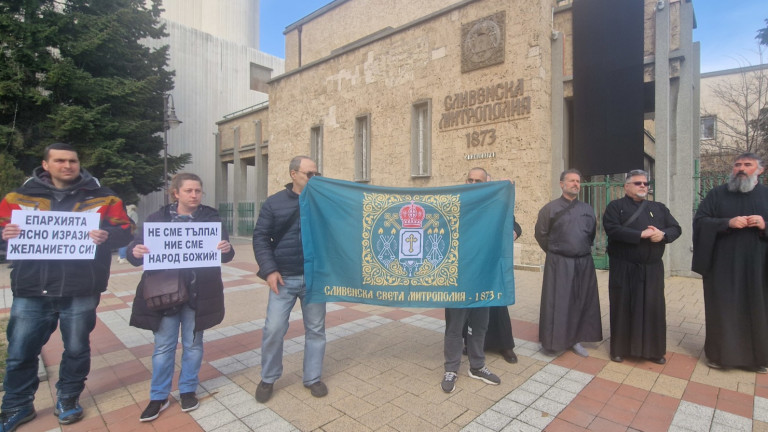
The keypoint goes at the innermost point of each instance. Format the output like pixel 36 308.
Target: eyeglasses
pixel 470 181
pixel 641 183
pixel 310 174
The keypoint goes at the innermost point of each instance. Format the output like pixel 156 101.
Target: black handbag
pixel 165 289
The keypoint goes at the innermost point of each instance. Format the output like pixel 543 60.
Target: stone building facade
pixel 414 94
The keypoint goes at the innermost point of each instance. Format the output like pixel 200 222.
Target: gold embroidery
pixel 441 224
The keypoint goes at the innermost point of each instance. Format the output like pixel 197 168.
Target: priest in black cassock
pixel 730 248
pixel 570 305
pixel 638 231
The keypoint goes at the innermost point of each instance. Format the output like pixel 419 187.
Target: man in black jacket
pixel 50 293
pixel 279 253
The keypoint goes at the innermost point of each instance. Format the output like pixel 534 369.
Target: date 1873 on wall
pixel 481 138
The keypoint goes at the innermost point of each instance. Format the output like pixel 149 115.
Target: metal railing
pixel 226 213
pixel 604 189
pixel 598 193
pixel 246 212
pixel 703 182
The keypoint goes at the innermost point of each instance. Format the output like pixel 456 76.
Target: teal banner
pixel 409 247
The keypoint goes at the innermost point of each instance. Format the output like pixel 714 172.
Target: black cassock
pixel 636 277
pixel 570 303
pixel 498 337
pixel 733 263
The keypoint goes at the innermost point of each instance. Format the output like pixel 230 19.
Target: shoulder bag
pixel 165 289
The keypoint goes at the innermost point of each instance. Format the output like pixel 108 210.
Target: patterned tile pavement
pixel 383 367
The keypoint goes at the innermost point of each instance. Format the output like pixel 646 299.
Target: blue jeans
pixel 33 320
pixel 276 325
pixel 121 252
pixel 164 357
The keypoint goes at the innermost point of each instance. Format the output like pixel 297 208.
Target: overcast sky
pixel 726 29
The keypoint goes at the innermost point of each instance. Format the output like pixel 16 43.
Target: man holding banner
pixel 570 306
pixel 477 320
pixel 278 249
pixel 498 337
pixel 58 290
pixel 414 247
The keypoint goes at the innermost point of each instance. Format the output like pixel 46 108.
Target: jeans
pixel 164 356
pixel 276 325
pixel 454 324
pixel 121 252
pixel 33 320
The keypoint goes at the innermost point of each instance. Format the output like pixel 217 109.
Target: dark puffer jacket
pixel 288 256
pixel 209 298
pixel 67 278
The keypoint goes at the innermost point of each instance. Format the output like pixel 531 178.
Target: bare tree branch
pixel 740 104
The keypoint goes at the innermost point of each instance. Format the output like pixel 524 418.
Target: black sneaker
pixel 318 389
pixel 68 410
pixel 264 392
pixel 154 409
pixel 189 402
pixel 449 382
pixel 11 419
pixel 485 375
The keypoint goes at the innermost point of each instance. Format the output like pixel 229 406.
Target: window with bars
pixel 363 148
pixel 316 146
pixel 421 139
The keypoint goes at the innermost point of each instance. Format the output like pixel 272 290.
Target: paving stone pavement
pixel 383 368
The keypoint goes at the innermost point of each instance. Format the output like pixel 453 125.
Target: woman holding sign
pixel 203 309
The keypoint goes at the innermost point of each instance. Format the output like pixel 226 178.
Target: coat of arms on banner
pixel 411 239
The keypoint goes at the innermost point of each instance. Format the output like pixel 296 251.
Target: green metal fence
pixel 598 193
pixel 226 213
pixel 703 182
pixel 604 189
pixel 246 212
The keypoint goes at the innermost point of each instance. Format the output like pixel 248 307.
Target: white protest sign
pixel 53 235
pixel 181 245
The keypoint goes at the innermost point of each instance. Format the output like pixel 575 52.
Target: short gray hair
pixel 570 171
pixel 296 163
pixel 637 172
pixel 750 155
pixel 479 169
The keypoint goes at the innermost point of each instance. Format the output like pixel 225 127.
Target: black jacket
pixel 287 256
pixel 67 278
pixel 207 292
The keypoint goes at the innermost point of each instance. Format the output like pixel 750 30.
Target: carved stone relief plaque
pixel 482 42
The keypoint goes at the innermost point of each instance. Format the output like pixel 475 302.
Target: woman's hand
pixel 224 246
pixel 139 251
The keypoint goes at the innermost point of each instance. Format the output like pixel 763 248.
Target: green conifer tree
pixel 77 71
